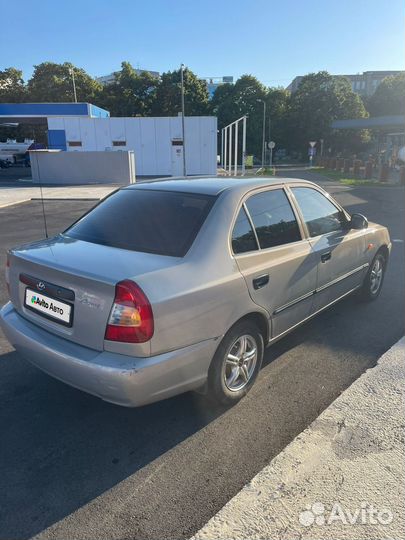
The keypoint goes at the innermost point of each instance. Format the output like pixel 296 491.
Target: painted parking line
pixel 14 203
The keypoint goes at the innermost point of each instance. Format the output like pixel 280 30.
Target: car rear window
pixel 151 221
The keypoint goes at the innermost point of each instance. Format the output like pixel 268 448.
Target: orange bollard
pixel 368 171
pixel 384 170
pixel 346 166
pixel 402 176
pixel 356 167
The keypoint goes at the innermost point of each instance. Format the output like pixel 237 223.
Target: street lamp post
pixel 72 73
pixel 182 118
pixel 312 145
pixel 272 145
pixel 269 139
pixel 264 130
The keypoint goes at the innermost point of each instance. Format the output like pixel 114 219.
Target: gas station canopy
pixel 38 113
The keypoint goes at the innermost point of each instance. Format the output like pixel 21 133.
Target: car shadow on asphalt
pixel 61 448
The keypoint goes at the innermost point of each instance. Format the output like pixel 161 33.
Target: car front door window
pixel 339 249
pixel 320 214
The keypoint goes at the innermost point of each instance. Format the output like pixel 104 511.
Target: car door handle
pixel 326 256
pixel 260 281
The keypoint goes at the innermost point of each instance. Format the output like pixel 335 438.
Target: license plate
pixel 49 307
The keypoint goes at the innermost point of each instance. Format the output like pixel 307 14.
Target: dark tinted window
pixel 273 218
pixel 162 222
pixel 320 214
pixel 243 238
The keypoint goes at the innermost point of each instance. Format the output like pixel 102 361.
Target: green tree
pixel 52 82
pixel 131 94
pixel 168 95
pixel 320 99
pixel 230 102
pixel 389 97
pixel 12 87
pixel 277 101
pixel 222 105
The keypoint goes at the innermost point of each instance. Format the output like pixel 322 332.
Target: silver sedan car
pixel 179 285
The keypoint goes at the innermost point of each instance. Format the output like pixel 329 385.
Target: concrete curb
pixel 65 199
pixel 342 478
pixel 10 196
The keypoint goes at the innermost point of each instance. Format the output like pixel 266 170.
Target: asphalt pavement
pixel 342 478
pixel 75 467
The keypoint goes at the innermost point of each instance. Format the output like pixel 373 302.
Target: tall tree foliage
pixel 168 95
pixel 53 82
pixel 389 97
pixel 246 96
pixel 320 99
pixel 12 87
pixel 277 101
pixel 131 94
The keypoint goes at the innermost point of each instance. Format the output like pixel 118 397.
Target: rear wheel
pixel 374 279
pixel 236 364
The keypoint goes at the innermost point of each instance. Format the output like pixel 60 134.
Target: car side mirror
pixel 358 221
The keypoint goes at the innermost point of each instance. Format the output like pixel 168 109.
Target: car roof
pixel 213 185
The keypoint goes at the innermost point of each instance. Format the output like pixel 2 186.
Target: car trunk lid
pixel 78 274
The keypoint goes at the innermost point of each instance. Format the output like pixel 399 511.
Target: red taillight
pixel 8 274
pixel 131 317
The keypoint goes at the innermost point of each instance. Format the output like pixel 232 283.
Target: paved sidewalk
pixel 342 478
pixel 18 194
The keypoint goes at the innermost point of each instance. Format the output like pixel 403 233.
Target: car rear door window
pixel 319 213
pixel 151 221
pixel 243 237
pixel 273 218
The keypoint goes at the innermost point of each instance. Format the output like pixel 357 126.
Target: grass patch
pixel 347 180
pixel 359 182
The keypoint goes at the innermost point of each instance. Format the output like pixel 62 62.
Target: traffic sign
pixel 271 145
pixel 312 143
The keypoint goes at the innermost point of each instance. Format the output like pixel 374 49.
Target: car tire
pixel 374 279
pixel 236 364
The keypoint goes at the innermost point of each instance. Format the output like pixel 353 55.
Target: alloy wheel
pixel 376 276
pixel 240 363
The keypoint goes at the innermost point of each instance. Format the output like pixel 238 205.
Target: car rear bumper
pixel 119 379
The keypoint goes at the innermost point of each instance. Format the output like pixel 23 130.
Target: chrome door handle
pixel 326 256
pixel 260 281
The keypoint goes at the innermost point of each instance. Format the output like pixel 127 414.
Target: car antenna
pixel 42 198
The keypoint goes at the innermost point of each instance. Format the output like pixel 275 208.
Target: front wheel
pixel 374 279
pixel 236 364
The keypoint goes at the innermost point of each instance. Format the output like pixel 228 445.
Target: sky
pixel 274 40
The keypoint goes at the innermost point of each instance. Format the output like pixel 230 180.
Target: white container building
pixel 156 142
